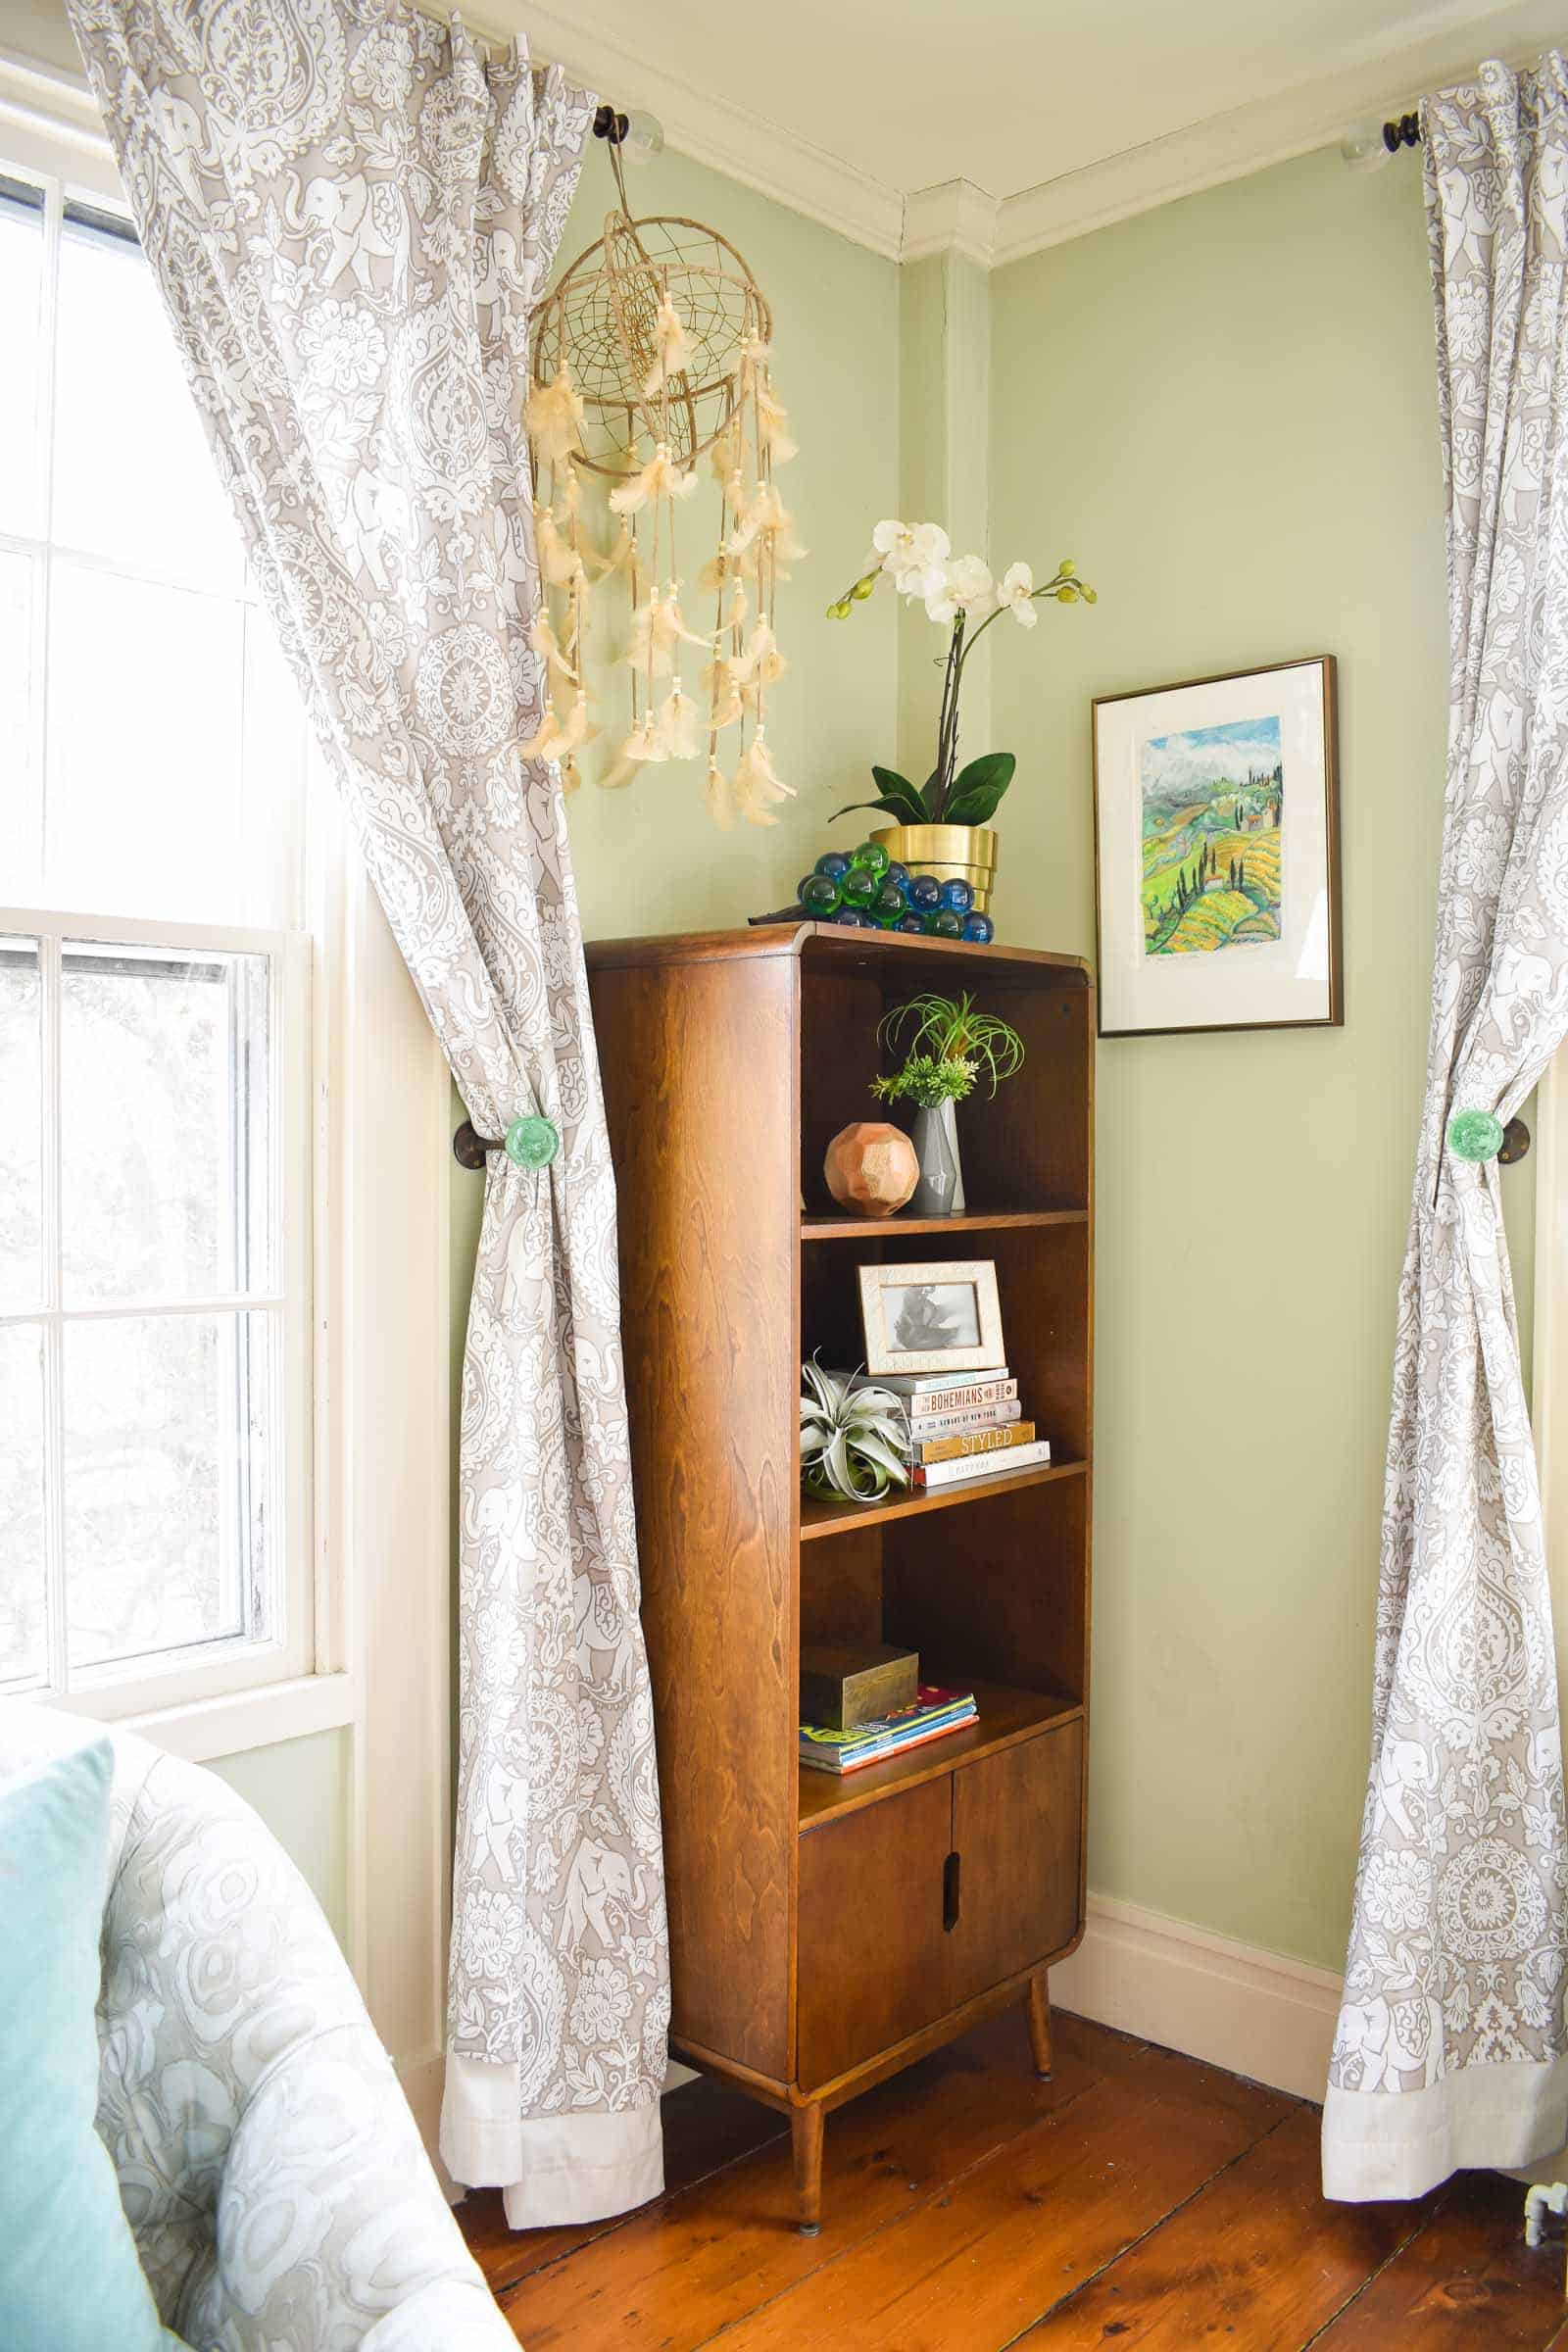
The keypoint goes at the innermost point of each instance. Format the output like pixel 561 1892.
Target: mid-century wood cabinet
pixel 825 1932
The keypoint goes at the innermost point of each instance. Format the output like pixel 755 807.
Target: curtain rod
pixel 1405 133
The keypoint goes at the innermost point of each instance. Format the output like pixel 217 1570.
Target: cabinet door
pixel 1016 1826
pixel 872 1962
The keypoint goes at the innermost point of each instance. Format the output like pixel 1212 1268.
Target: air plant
pixel 951 1047
pixel 850 1437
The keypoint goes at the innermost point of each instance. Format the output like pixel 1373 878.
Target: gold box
pixel 840 1687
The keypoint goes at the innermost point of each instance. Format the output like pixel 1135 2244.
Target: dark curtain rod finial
pixel 1406 132
pixel 611 124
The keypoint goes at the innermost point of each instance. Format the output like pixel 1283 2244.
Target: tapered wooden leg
pixel 1037 2000
pixel 806 2147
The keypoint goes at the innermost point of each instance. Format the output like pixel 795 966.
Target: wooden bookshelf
pixel 1005 1717
pixel 854 1229
pixel 825 1932
pixel 838 1518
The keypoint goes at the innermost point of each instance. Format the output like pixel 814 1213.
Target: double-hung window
pixel 156 1226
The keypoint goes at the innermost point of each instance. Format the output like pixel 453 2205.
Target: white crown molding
pixel 955 218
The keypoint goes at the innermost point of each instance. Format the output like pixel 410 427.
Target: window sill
pixel 202 1730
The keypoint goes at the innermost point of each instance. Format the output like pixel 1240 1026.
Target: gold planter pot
pixel 961 852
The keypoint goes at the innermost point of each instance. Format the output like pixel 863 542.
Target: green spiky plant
pixel 850 1438
pixel 950 1046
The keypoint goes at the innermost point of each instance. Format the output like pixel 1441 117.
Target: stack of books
pixel 963 1425
pixel 930 1715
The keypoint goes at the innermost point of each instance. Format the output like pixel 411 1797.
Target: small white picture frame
pixel 931 1317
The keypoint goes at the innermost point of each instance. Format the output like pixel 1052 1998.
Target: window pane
pixel 134 477
pixel 21 308
pixel 23 1638
pixel 144 721
pixel 21 809
pixel 167 1498
pixel 163 1152
pixel 21 1124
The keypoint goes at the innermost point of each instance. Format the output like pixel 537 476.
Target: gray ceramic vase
pixel 940 1191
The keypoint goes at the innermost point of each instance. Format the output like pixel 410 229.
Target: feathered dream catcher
pixel 651 358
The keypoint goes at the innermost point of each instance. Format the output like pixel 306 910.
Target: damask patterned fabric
pixel 351 212
pixel 267 2159
pixel 1451 2045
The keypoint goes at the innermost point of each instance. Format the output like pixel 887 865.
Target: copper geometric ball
pixel 871 1168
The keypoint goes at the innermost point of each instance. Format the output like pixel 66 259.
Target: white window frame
pixel 217 1669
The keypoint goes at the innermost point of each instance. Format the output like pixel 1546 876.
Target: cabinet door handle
pixel 950 1894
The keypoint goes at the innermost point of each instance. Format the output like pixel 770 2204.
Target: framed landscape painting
pixel 1217 855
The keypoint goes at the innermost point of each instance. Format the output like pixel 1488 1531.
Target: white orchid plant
pixel 962 596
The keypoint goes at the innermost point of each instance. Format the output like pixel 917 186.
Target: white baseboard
pixel 1254 2013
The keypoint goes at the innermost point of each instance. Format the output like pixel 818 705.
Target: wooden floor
pixel 1137 2199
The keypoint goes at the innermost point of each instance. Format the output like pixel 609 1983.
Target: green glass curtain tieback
pixel 1475 1134
pixel 532 1142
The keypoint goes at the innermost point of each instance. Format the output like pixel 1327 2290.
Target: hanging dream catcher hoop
pixel 651 353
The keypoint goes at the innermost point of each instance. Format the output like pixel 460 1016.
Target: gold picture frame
pixel 899 1306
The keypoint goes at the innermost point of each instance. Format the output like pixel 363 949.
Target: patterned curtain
pixel 352 210
pixel 1451 2046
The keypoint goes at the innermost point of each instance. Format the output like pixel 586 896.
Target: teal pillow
pixel 70 2281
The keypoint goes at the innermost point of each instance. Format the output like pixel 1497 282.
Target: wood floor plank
pixel 974 2265
pixel 1464 2281
pixel 676 2272
pixel 1256 2260
pixel 706 2126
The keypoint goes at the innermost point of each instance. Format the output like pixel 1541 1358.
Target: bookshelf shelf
pixel 888 1229
pixel 838 1518
pixel 1005 1717
pixel 885 1912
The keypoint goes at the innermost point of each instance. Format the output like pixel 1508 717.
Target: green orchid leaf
pixel 898 799
pixel 977 790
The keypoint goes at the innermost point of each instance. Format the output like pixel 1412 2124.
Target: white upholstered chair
pixel 266 2157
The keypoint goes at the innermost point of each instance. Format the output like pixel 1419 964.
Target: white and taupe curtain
pixel 352 210
pixel 1451 2046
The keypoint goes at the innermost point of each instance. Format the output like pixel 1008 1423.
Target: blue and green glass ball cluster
pixel 869 891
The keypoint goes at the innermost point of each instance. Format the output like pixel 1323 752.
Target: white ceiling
pixel 1062 113
pixel 1006 94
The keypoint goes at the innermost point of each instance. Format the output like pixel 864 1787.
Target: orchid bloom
pixel 911 553
pixel 1016 589
pixel 964 586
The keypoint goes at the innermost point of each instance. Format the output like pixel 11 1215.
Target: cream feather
pixel 661 477
pixel 558 560
pixel 542 637
pixel 761 661
pixel 721 799
pixel 677 726
pixel 558 736
pixel 657 629
pixel 555 415
pixel 724 700
pixel 623 770
pixel 758 786
pixel 673 350
pixel 728 453
pixel 619 556
pixel 772 417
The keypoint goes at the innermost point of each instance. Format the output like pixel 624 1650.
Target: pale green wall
pixel 1225 411
pixel 301 1791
